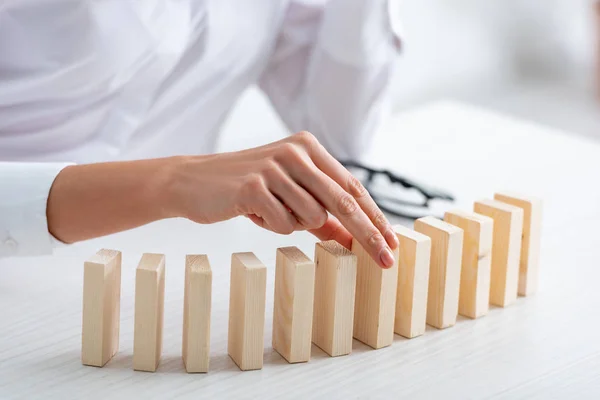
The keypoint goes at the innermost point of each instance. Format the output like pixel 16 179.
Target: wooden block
pixel 335 285
pixel 375 305
pixel 476 261
pixel 196 313
pixel 101 307
pixel 506 249
pixel 413 281
pixel 293 304
pixel 530 246
pixel 444 270
pixel 149 312
pixel 247 311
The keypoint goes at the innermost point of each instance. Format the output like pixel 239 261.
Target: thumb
pixel 333 230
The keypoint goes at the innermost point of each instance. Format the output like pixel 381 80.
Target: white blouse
pixel 95 80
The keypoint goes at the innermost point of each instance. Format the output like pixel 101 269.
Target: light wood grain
pixel 506 249
pixel 529 264
pixel 101 307
pixel 444 270
pixel 197 295
pixel 413 281
pixel 335 286
pixel 293 304
pixel 375 305
pixel 521 352
pixel 476 261
pixel 247 311
pixel 149 312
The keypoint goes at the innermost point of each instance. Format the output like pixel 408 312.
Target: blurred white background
pixel 534 59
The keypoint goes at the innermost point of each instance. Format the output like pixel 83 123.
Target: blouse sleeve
pixel 331 69
pixel 24 190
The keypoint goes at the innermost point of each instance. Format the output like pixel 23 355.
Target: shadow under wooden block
pixel 530 246
pixel 444 270
pixel 247 311
pixel 293 304
pixel 413 281
pixel 476 261
pixel 196 313
pixel 335 285
pixel 375 305
pixel 101 307
pixel 506 249
pixel 149 312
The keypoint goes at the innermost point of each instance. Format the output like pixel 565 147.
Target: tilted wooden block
pixel 375 305
pixel 293 304
pixel 506 249
pixel 530 247
pixel 444 270
pixel 196 313
pixel 247 311
pixel 413 281
pixel 335 285
pixel 101 307
pixel 149 312
pixel 476 261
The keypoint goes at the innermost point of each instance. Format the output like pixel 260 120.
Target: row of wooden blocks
pixel 456 266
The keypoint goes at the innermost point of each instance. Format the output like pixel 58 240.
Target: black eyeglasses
pixel 395 194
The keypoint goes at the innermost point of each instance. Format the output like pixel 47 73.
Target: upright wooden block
pixel 196 313
pixel 476 261
pixel 375 305
pixel 506 249
pixel 149 312
pixel 293 304
pixel 335 285
pixel 444 270
pixel 247 311
pixel 101 307
pixel 413 281
pixel 530 247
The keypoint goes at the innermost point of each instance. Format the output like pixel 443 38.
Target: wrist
pixel 164 183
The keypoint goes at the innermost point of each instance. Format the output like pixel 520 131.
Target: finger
pixel 332 168
pixel 261 222
pixel 258 221
pixel 274 214
pixel 333 230
pixel 307 210
pixel 341 204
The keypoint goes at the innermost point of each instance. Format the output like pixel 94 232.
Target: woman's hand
pixel 284 186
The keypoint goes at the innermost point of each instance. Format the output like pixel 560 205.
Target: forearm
pixel 283 186
pixel 92 200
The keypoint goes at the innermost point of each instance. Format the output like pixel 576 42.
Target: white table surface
pixel 545 346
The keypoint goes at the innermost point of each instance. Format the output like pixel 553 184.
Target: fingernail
pixel 391 238
pixel 386 257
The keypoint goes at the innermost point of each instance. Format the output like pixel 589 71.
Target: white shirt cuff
pixel 23 224
pixel 361 32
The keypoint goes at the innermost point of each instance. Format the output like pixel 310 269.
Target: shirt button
pixel 11 245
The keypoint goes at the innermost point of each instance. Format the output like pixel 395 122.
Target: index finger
pixel 350 215
pixel 332 167
pixel 343 205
